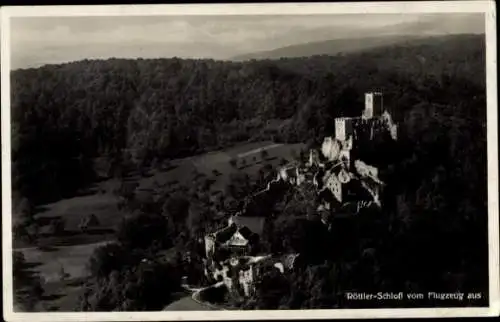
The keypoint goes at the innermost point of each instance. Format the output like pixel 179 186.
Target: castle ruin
pixel 341 179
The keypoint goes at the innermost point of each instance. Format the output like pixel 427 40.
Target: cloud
pixel 41 40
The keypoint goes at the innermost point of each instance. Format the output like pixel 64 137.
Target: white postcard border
pixel 487 7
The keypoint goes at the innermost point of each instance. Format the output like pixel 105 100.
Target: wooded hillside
pixel 65 115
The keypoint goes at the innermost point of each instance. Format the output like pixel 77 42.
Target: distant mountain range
pixel 328 47
pixel 348 39
pixel 338 46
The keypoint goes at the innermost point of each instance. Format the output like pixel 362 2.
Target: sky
pixel 36 41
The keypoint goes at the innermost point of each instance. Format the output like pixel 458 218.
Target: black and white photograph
pixel 271 160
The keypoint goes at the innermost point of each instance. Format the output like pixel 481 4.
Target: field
pixel 249 154
pixel 71 250
pixel 72 259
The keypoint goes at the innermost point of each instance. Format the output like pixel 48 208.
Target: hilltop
pixel 350 45
pixel 328 47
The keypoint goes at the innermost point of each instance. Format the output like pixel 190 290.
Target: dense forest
pixel 432 232
pixel 63 116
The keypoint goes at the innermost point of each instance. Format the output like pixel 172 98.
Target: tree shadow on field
pixel 31 265
pixel 98 231
pixel 76 282
pixel 46 220
pixel 52 297
pixel 47 248
pixel 40 209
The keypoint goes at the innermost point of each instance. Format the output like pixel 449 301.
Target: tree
pixel 303 155
pixel 89 221
pixel 63 275
pixel 233 162
pixel 239 186
pixel 175 210
pixel 25 232
pixel 149 285
pixel 27 285
pixel 108 258
pixel 57 226
pixel 271 289
pixel 127 190
pixel 24 210
pixel 143 230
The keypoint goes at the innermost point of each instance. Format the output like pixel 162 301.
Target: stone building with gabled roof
pixel 239 237
pixel 236 269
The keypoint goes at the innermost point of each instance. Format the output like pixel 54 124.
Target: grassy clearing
pixel 103 203
pixel 61 295
pixel 219 161
pixel 72 250
pixel 73 259
pixel 75 209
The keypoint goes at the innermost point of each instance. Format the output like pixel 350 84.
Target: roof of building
pixel 237 239
pixel 225 234
pixel 254 223
pixel 246 232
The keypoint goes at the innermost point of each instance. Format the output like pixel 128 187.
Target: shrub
pixel 233 162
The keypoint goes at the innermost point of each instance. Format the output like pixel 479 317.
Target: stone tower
pixel 373 105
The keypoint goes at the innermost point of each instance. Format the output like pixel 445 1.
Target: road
pixel 192 302
pixel 187 304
